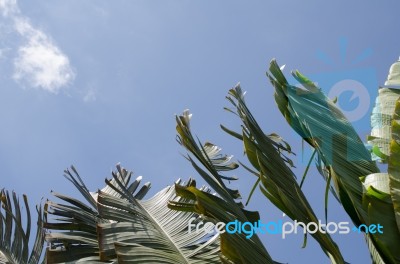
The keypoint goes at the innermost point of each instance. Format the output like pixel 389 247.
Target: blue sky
pixel 93 83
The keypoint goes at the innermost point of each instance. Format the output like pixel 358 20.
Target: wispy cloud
pixel 39 62
pixel 8 7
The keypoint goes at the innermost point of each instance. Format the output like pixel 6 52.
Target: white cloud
pixel 8 7
pixel 39 62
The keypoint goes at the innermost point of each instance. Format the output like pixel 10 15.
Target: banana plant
pixel 118 225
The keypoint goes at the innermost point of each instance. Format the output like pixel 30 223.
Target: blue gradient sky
pixel 116 72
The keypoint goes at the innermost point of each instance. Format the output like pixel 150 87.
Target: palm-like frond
pixel 235 248
pixel 78 221
pixel 379 206
pixel 272 167
pixel 206 155
pixel 317 119
pixel 363 191
pixel 124 228
pixel 14 238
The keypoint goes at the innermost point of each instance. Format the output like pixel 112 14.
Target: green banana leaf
pixel 278 182
pixel 235 248
pixel 208 156
pixel 122 227
pixel 363 191
pixel 379 205
pixel 319 122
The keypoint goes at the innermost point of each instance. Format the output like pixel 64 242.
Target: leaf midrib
pixel 162 230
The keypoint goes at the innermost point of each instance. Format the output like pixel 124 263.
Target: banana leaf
pixel 14 237
pixel 319 122
pixel 118 225
pixel 278 182
pixel 235 248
